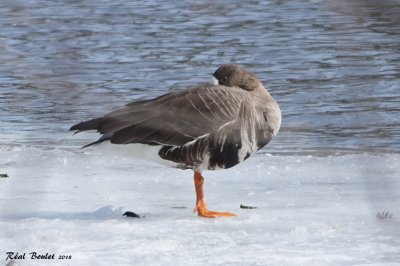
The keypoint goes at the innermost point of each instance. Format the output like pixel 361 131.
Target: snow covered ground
pixel 311 210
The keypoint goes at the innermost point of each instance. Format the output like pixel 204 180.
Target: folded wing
pixel 172 119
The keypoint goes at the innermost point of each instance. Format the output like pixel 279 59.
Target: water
pixel 334 66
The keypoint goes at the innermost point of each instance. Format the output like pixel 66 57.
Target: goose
pixel 205 127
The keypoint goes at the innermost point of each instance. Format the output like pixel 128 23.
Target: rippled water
pixel 334 66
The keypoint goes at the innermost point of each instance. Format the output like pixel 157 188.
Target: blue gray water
pixel 334 66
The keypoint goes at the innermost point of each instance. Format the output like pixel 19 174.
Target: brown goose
pixel 205 127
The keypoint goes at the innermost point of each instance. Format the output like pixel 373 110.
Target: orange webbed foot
pixel 202 211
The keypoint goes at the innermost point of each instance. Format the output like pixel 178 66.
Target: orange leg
pixel 201 207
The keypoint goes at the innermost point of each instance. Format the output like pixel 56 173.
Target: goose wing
pixel 174 119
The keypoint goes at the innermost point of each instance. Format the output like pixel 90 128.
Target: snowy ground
pixel 311 210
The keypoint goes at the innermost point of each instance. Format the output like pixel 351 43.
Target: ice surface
pixel 311 210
